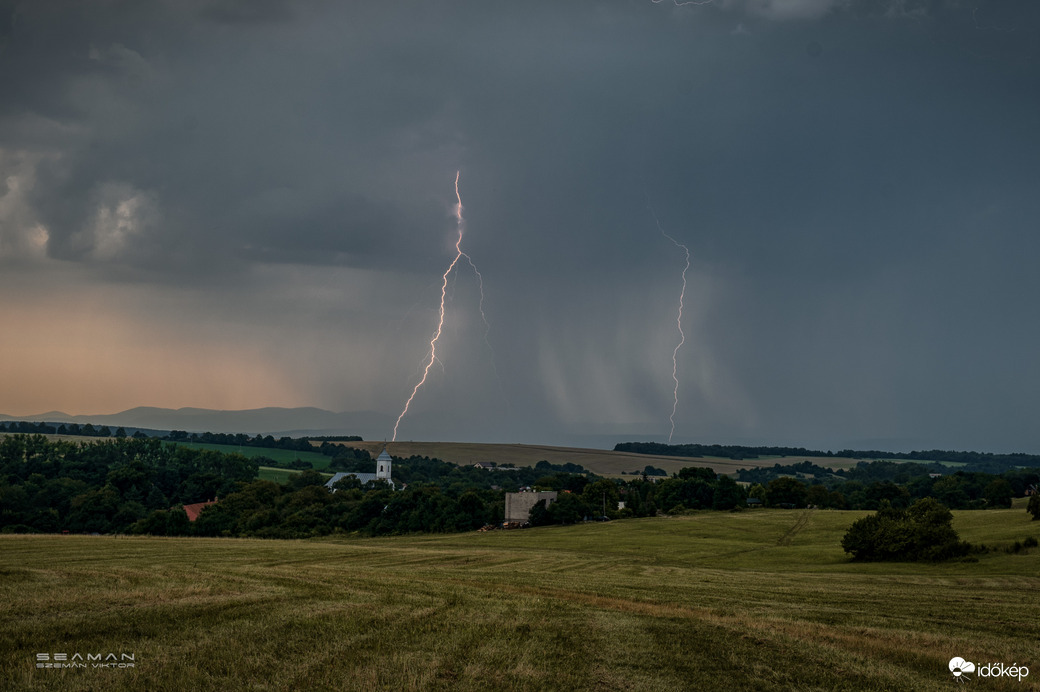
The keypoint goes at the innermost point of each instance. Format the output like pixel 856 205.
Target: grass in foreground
pixel 756 600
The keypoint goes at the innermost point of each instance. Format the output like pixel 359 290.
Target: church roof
pixel 363 477
pixel 383 456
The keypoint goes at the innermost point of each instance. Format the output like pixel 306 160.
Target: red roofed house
pixel 193 510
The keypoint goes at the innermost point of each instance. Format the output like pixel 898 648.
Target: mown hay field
pixel 600 461
pixel 755 600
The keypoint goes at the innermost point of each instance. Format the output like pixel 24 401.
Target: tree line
pixel 304 508
pixel 139 485
pixel 969 461
pixel 300 444
pixel 134 485
pixel 86 430
pixel 106 486
pixel 868 484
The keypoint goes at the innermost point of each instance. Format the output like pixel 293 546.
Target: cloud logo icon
pixel 959 667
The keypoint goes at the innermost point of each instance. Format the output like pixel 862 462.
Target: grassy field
pixel 273 473
pixel 600 461
pixel 759 600
pixel 282 456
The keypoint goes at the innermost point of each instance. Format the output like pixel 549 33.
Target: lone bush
pixel 1034 506
pixel 921 532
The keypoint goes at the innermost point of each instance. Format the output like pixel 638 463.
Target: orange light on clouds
pixel 83 360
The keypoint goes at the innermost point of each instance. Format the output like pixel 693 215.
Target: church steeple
pixel 383 464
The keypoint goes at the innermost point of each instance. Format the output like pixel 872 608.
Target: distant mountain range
pixel 294 422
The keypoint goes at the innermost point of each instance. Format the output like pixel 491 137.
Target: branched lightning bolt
pixel 480 305
pixel 459 254
pixel 678 322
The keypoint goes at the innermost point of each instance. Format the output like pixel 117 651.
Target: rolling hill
pixel 599 461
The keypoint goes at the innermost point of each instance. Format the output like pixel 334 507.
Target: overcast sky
pixel 242 203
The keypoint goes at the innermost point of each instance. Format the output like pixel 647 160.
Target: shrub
pixel 921 532
pixel 1034 506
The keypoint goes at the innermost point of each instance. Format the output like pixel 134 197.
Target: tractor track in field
pixel 799 524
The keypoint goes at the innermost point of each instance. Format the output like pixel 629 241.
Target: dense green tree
pixel 950 491
pixel 539 514
pixel 702 473
pixel 474 509
pixel 728 494
pixel 348 483
pixel 306 478
pixel 156 499
pixel 1033 507
pixel 15 504
pixel 202 487
pixel 880 491
pixel 94 511
pixel 602 497
pixel 366 515
pixel 676 494
pixel 1022 480
pixel 817 495
pixel 998 493
pixel 786 491
pixel 922 532
pixel 568 508
pixel 154 524
pixel 177 523
pixel 132 473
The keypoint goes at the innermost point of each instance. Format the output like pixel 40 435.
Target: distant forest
pixel 140 485
pixel 136 485
pixel 238 439
pixel 972 461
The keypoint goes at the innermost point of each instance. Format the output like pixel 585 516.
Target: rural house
pixel 193 510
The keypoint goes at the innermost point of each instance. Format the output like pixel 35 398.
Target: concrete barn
pixel 518 505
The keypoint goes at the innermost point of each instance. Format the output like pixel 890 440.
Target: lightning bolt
pixel 459 254
pixel 678 322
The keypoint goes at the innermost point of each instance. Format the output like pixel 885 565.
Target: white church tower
pixel 383 463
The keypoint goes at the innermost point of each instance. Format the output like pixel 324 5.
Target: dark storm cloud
pixel 241 149
pixel 855 180
pixel 248 11
pixel 282 124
